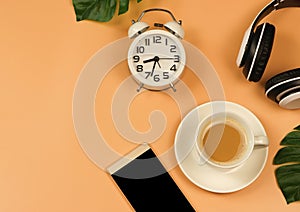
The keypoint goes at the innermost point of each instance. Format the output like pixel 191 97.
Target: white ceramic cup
pixel 248 140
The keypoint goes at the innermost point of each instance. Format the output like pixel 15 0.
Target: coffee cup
pixel 225 140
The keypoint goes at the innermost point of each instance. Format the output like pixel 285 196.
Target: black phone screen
pixel 157 193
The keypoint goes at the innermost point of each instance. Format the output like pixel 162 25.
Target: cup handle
pixel 261 140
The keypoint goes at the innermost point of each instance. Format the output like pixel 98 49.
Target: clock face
pixel 156 59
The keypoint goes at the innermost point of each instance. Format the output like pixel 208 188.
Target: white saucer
pixel 206 176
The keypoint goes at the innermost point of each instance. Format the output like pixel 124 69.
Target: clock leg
pixel 172 86
pixel 140 87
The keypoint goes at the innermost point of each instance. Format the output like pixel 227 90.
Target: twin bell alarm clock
pixel 156 57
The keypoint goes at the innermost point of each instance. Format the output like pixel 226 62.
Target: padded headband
pixel 273 6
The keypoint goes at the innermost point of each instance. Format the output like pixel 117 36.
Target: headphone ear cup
pixel 259 52
pixel 283 85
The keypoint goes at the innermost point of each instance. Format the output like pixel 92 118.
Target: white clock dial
pixel 156 59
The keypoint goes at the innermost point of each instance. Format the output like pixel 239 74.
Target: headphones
pixel 283 88
pixel 139 27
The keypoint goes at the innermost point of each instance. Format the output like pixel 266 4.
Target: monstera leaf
pixel 288 174
pixel 99 10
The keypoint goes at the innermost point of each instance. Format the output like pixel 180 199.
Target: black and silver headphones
pixel 283 88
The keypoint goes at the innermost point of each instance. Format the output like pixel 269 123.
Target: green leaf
pixel 123 6
pixel 99 10
pixel 292 138
pixel 288 174
pixel 288 178
pixel 288 154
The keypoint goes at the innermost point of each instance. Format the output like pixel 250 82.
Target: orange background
pixel 43 50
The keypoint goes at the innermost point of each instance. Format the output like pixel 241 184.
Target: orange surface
pixel 43 50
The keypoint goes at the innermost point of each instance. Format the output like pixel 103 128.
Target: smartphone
pixel 146 184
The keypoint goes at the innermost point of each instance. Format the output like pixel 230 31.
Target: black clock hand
pixel 153 68
pixel 158 64
pixel 149 60
pixel 156 60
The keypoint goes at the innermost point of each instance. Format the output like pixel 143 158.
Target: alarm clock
pixel 156 57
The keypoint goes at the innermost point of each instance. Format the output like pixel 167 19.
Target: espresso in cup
pixel 225 140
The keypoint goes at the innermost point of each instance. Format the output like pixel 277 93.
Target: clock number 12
pixel 156 39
